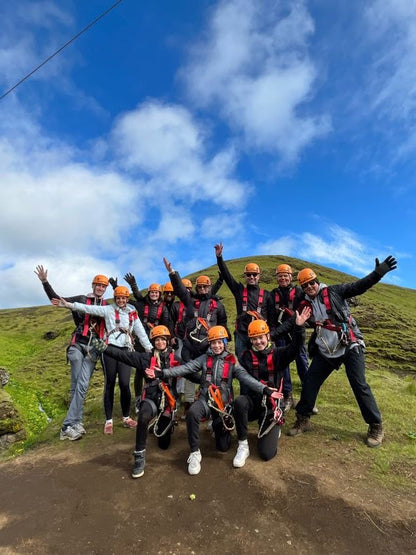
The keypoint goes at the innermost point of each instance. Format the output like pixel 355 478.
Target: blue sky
pixel 276 127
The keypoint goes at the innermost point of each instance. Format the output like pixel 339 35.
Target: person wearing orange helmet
pixel 217 370
pixel 267 364
pixel 158 400
pixel 287 297
pixel 150 307
pixel 252 302
pixel 80 355
pixel 337 340
pixel 202 311
pixel 122 323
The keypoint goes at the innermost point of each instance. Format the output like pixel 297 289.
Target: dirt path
pixel 77 498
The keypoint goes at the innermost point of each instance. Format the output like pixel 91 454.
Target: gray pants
pixel 82 362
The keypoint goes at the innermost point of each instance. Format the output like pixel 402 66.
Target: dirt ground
pixel 78 497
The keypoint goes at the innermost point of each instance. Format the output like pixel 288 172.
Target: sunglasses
pixel 305 285
pixel 251 275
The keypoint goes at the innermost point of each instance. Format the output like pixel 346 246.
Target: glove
pixel 113 282
pixel 131 280
pixel 386 266
pixel 99 345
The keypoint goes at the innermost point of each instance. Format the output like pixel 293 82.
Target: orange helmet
pixel 159 331
pixel 100 280
pixel 155 287
pixel 306 275
pixel 202 280
pixel 121 291
pixel 251 268
pixel 258 327
pixel 217 332
pixel 187 283
pixel 284 269
pixel 168 287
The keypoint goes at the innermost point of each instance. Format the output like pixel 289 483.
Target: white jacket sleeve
pixel 142 335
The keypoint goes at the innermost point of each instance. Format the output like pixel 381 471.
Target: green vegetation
pixel 386 314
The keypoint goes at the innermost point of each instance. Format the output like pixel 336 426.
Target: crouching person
pixel 158 400
pixel 266 364
pixel 218 368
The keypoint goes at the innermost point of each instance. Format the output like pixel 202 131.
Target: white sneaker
pixel 69 433
pixel 242 454
pixel 79 428
pixel 194 462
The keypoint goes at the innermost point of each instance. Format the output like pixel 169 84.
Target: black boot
pixel 139 463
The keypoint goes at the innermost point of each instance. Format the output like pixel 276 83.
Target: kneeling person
pixel 266 364
pixel 158 400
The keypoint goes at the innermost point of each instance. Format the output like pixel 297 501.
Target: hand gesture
pixel 276 395
pixel 113 282
pixel 61 303
pixel 218 249
pixel 389 264
pixel 303 316
pixel 168 265
pixel 151 372
pixel 42 273
pixel 131 280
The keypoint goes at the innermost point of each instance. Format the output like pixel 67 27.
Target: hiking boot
pixel 301 425
pixel 194 462
pixel 289 402
pixel 69 433
pixel 129 422
pixel 242 454
pixel 78 427
pixel 139 463
pixel 108 428
pixel 375 435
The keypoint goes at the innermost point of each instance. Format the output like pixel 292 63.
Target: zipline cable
pixel 62 47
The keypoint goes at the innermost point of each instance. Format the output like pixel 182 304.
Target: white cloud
pixel 166 143
pixel 284 245
pixel 253 66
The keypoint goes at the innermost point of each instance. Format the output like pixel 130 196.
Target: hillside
pixel 33 342
pixel 325 492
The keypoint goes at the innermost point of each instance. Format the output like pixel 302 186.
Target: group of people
pixel 177 345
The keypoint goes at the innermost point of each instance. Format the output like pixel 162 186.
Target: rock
pixel 50 335
pixel 4 377
pixel 10 421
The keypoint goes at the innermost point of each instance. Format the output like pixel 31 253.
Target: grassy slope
pixel 386 315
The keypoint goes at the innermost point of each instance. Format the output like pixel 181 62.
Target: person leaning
pixel 81 356
pixel 338 340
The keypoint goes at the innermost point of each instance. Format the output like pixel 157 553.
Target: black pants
pixel 321 368
pixel 112 368
pixel 143 418
pixel 247 409
pixel 195 414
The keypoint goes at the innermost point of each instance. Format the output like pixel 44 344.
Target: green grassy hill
pixel 386 314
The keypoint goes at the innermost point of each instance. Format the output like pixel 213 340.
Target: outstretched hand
pixel 151 372
pixel 389 264
pixel 42 273
pixel 113 282
pixel 61 303
pixel 168 265
pixel 303 316
pixel 218 249
pixel 277 395
pixel 131 280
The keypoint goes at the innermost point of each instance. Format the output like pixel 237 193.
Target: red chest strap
pixel 269 363
pixel 158 313
pixel 259 301
pixel 212 306
pixel 228 361
pixel 87 319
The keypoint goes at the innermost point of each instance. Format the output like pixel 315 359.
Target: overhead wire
pixel 93 22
